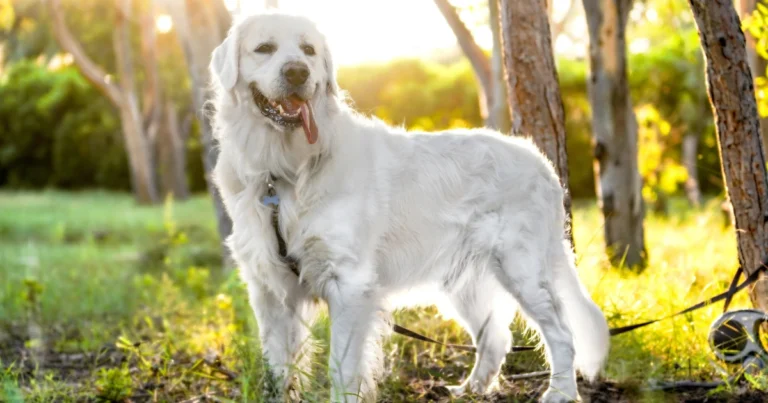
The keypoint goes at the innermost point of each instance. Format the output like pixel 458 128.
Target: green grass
pixel 101 299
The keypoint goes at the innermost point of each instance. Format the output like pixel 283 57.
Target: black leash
pixel 734 287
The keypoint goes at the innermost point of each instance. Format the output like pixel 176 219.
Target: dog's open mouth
pixel 289 112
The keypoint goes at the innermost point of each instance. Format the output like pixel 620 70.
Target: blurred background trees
pixel 59 130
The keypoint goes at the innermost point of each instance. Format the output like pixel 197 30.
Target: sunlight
pixel 60 60
pixel 640 45
pixel 364 31
pixel 164 23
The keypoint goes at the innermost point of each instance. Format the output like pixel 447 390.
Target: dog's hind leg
pixel 523 273
pixel 486 311
pixel 286 340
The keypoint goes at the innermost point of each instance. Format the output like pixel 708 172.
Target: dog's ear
pixel 225 61
pixel 331 86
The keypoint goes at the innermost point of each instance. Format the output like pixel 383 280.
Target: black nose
pixel 296 73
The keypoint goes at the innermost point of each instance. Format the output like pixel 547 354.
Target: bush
pixel 57 131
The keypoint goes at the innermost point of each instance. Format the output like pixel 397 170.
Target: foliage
pixel 57 131
pixel 756 25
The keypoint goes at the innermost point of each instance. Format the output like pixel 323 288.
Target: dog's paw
pixel 558 396
pixel 457 390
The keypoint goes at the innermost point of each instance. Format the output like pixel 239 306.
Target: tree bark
pixel 201 25
pixel 533 89
pixel 481 65
pixel 498 113
pixel 122 96
pixel 139 146
pixel 172 155
pixel 614 126
pixel 731 93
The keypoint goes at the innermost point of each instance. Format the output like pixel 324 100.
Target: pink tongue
pixel 308 122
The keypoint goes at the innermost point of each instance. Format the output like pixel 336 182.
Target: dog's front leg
pixel 347 283
pixel 355 354
pixel 285 332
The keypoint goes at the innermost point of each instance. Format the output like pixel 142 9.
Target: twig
pixel 527 375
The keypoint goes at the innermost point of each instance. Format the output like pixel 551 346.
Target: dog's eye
pixel 309 50
pixel 265 48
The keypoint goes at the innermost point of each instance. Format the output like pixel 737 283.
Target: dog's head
pixel 282 65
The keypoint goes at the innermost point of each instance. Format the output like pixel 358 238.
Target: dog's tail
pixel 588 325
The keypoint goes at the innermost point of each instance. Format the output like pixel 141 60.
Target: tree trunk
pixel 201 25
pixel 690 160
pixel 731 93
pixel 172 156
pixel 477 58
pixel 123 97
pixel 498 113
pixel 618 182
pixel 139 145
pixel 533 89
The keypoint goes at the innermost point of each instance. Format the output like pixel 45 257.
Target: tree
pixel 731 93
pixel 614 127
pixel 488 75
pixel 122 95
pixel 201 25
pixel 533 91
pixel 498 113
pixel 161 123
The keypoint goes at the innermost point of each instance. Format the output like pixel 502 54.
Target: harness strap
pixel 282 248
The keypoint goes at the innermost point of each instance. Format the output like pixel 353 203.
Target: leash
pixel 272 200
pixel 733 288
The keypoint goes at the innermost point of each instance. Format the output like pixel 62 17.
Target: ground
pixel 103 300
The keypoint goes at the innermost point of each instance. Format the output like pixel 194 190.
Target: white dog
pixel 379 218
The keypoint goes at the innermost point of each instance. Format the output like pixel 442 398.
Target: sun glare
pixel 362 31
pixel 164 23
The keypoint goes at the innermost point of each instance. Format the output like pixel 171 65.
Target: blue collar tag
pixel 270 200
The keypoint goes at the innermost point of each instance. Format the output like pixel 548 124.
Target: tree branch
pixel 92 72
pixel 559 26
pixel 472 50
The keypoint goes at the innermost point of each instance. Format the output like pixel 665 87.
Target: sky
pixel 361 31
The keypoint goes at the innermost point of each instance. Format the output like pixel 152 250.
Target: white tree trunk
pixel 618 182
pixel 690 160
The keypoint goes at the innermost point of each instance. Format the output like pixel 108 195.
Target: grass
pixel 101 300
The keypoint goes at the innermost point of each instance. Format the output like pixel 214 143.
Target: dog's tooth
pixel 280 108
